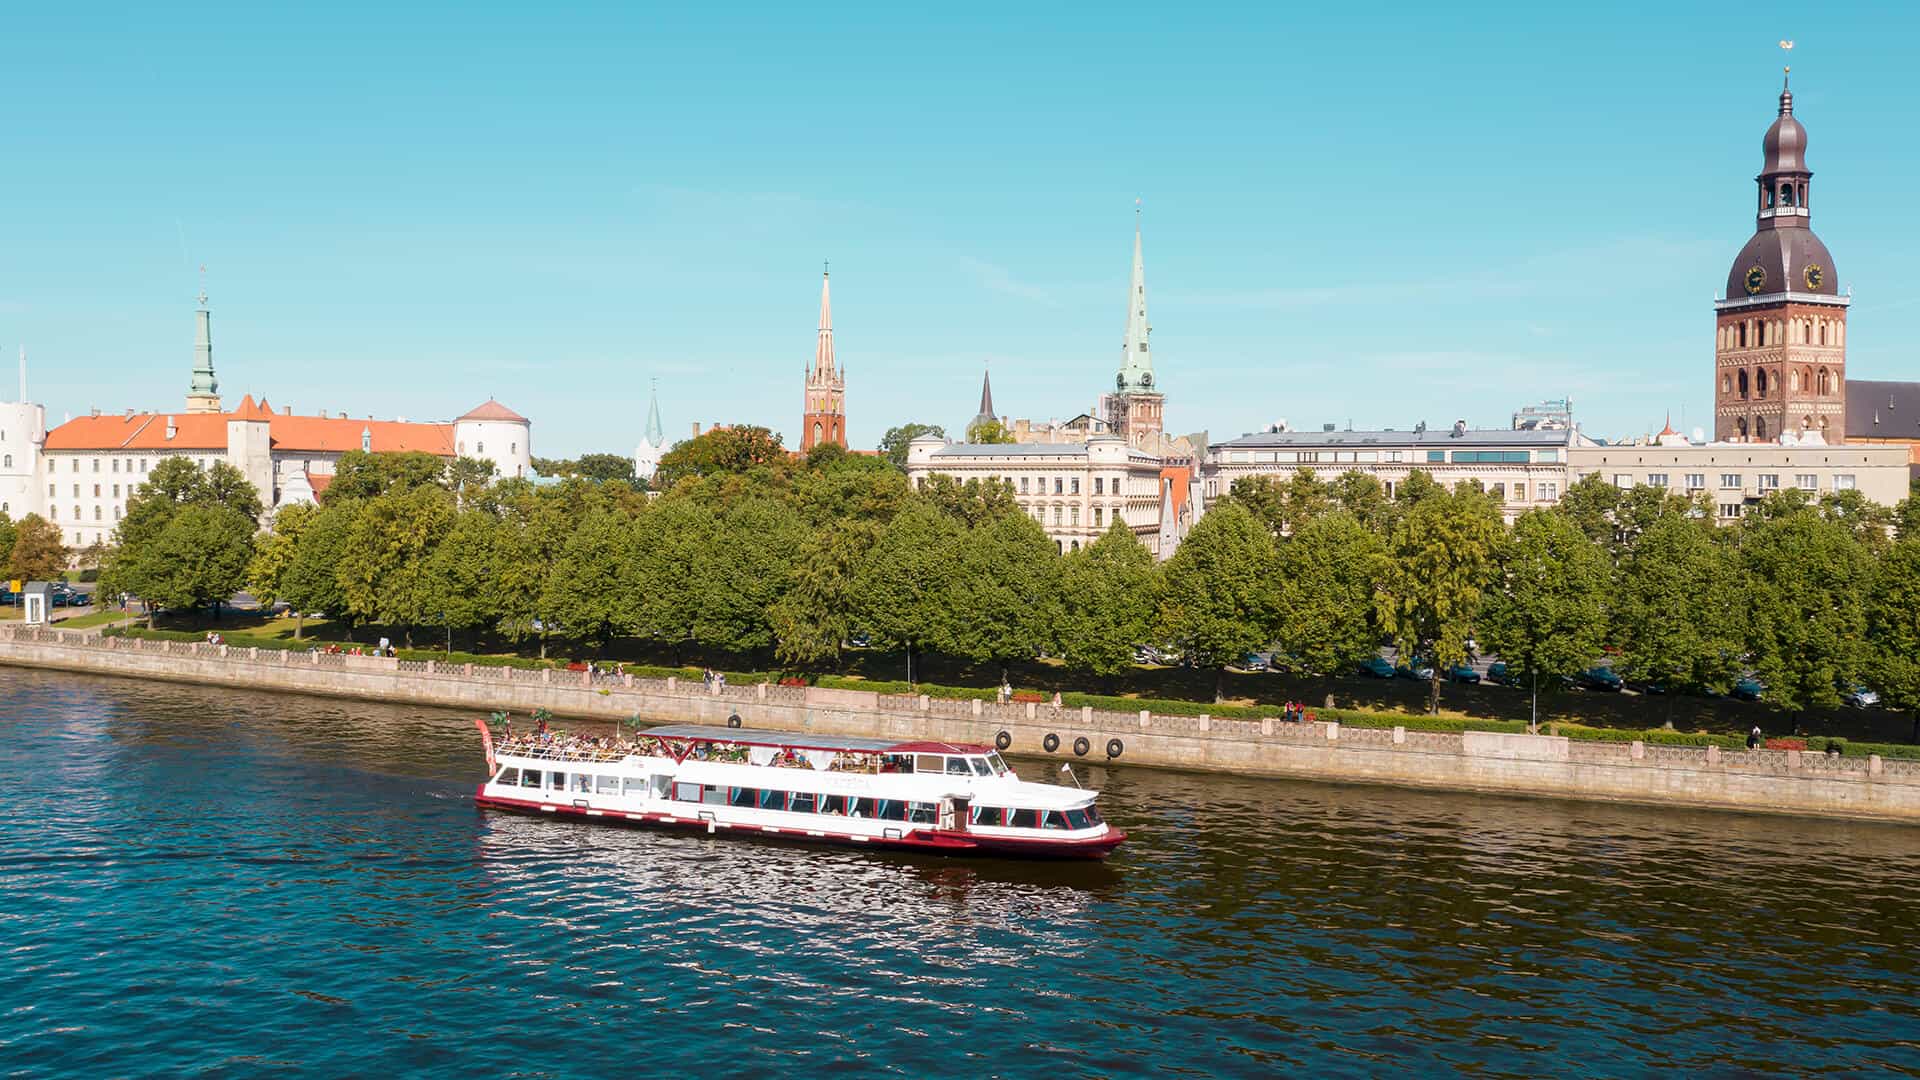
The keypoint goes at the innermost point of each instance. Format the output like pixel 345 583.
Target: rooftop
pixel 1432 437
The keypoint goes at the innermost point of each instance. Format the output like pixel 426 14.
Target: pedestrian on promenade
pixel 1753 738
pixel 1056 701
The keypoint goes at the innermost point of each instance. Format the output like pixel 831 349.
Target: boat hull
pixel 923 840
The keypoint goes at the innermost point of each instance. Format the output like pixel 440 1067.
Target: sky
pixel 1355 213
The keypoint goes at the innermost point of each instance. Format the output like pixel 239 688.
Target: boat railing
pixel 559 752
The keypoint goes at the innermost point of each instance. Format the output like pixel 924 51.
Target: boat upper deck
pixel 796 740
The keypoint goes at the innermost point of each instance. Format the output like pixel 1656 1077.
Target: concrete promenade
pixel 1541 765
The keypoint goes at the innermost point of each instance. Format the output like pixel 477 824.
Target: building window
pixel 1519 493
pixel 76 491
pixel 1622 480
pixel 96 511
pixel 1023 485
pixel 513 448
pixel 116 513
pixel 1658 479
pixel 1098 517
pixel 1099 482
pixel 1843 481
pixel 50 491
pixel 1696 481
pixel 116 491
pixel 481 448
pixel 1730 480
pixel 9 460
pixel 1073 513
pixel 1806 482
pixel 1073 486
pixel 1548 491
pixel 96 491
pixel 53 512
pixel 116 464
pixel 77 515
pixel 1056 515
pixel 143 465
pixel 1729 510
pixel 76 465
pixel 96 464
pixel 1768 481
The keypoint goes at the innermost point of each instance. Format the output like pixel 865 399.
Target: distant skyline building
pixel 653 442
pixel 1780 354
pixel 1135 411
pixel 825 418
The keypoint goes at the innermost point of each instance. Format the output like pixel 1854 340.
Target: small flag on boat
pixel 486 741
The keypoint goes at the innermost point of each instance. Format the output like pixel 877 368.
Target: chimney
pixel 696 429
pixel 171 429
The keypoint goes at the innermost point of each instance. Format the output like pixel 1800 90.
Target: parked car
pixel 1376 668
pixel 1416 669
pixel 1600 678
pixel 859 641
pixel 1860 697
pixel 1642 686
pixel 1253 662
pixel 1463 673
pixel 1749 689
pixel 1499 673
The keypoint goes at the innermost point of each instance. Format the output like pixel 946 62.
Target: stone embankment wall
pixel 1765 780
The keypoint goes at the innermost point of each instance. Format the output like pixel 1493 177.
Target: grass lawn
pixel 95 618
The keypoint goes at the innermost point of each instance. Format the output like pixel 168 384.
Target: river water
pixel 234 883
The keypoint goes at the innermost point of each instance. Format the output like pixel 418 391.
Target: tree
pixel 200 558
pixel 1360 494
pixel 893 445
pixel 1217 602
pixel 1805 581
pixel 742 571
pixel 1675 608
pixel 1006 592
pixel 582 589
pixel 812 619
pixel 1109 592
pixel 1442 553
pixel 662 573
pixel 362 475
pixel 973 503
pixel 1546 615
pixel 1893 627
pixel 385 574
pixel 1265 498
pixel 1326 578
pixel 36 553
pixel 903 589
pixel 596 467
pixel 8 530
pixel 463 573
pixel 273 557
pixel 988 431
pixel 722 450
pixel 310 582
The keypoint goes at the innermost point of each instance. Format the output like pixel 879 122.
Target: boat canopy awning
pixel 799 740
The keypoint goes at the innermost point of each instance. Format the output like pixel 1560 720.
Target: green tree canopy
pixel 1805 582
pixel 1546 613
pixel 362 475
pixel 1328 571
pixel 988 431
pixel 903 590
pixel 385 572
pixel 722 450
pixel 1006 595
pixel 893 445
pixel 1675 614
pixel 200 558
pixel 36 553
pixel 1893 625
pixel 582 592
pixel 1442 552
pixel 1109 594
pixel 1217 602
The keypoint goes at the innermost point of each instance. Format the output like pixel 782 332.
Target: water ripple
pixel 235 883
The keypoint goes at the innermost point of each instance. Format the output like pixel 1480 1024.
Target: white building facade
pixel 1738 475
pixel 1074 491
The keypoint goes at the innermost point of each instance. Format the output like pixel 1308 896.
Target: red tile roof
pixel 493 410
pixel 1182 476
pixel 319 482
pixel 208 431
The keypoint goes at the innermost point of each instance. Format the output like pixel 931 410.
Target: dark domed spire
pixel 1784 255
pixel 1786 142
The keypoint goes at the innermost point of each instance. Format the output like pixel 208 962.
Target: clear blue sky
pixel 1351 212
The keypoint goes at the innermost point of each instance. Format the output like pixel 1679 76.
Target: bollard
pixel 1399 736
pixel 467 670
pixel 976 706
pixel 1793 760
pixel 926 703
pixel 1030 709
pixel 1086 715
pixel 672 681
pixel 1874 767
pixel 1266 725
pixel 1146 717
pixel 546 675
pixel 1713 755
pixel 760 691
pixel 1206 722
pixel 1637 750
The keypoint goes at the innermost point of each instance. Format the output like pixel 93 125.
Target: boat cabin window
pixel 1024 819
pixel 511 777
pixel 607 785
pixel 1093 814
pixel 927 763
pixel 583 783
pixel 833 804
pixel 684 792
pixel 715 794
pixel 1053 820
pixel 802 803
pixel 742 796
pixel 1076 819
pixel 999 767
pixel 636 786
pixel 773 800
pixel 980 766
pixel 530 778
pixel 957 766
pixel 988 815
pixel 892 810
pixel 859 807
pixel 920 813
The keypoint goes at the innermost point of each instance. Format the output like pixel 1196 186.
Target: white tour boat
pixel 926 796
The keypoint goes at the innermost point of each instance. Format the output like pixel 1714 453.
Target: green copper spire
pixel 655 436
pixel 1136 362
pixel 203 393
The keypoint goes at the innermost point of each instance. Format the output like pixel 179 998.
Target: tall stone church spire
pixel 986 399
pixel 654 434
pixel 825 419
pixel 203 393
pixel 1136 361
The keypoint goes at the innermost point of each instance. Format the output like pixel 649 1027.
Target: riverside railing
pixel 1098 725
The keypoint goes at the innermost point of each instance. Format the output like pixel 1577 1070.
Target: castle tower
pixel 1135 408
pixel 825 418
pixel 1780 354
pixel 203 393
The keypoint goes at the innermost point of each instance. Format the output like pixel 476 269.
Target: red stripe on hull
pixel 922 840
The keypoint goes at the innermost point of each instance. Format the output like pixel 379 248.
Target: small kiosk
pixel 38 603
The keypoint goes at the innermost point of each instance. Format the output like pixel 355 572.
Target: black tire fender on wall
pixel 1051 742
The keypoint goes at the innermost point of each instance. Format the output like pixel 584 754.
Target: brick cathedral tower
pixel 1780 358
pixel 825 419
